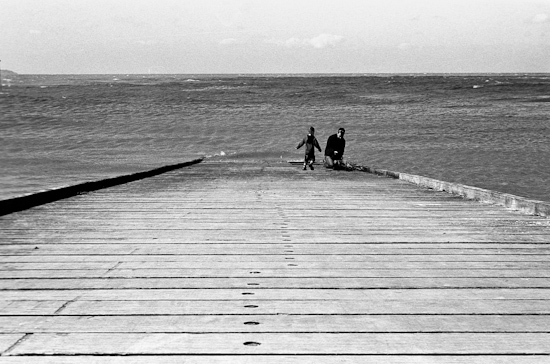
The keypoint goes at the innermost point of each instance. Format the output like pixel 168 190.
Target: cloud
pixel 321 41
pixel 541 18
pixel 405 46
pixel 325 40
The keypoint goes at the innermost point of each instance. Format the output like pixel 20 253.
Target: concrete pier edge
pixel 513 202
pixel 27 201
pixel 518 203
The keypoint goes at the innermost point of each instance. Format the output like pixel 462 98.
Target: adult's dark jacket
pixel 335 144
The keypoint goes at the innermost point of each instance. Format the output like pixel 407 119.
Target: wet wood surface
pixel 239 262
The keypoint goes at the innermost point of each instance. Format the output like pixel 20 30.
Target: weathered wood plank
pixel 9 267
pixel 193 249
pixel 275 273
pixel 298 237
pixel 326 307
pixel 29 307
pixel 526 294
pixel 365 259
pixel 80 216
pixel 162 262
pixel 269 228
pixel 266 266
pixel 319 283
pixel 156 343
pixel 278 359
pixel 272 244
pixel 273 223
pixel 277 324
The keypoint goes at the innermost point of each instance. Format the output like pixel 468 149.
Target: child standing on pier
pixel 311 143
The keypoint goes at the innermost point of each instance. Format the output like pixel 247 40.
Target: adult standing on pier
pixel 334 150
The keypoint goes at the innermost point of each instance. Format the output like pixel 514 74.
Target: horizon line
pixel 278 73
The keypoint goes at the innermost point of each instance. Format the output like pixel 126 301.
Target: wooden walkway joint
pixel 241 262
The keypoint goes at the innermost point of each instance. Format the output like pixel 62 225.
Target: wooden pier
pixel 262 262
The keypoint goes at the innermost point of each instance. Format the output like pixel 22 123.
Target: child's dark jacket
pixel 311 143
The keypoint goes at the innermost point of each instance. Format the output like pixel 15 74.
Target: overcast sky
pixel 274 36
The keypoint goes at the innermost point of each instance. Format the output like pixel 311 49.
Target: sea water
pixel 490 131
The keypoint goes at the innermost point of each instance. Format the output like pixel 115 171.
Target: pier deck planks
pixel 234 262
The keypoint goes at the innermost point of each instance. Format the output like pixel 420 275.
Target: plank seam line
pixel 415 230
pixel 266 246
pixel 296 269
pixel 499 314
pixel 98 277
pixel 278 255
pixel 112 268
pixel 199 354
pixel 290 300
pixel 109 241
pixel 248 268
pixel 267 288
pixel 65 305
pixel 21 340
pixel 291 332
pixel 251 261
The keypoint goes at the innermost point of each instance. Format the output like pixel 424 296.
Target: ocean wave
pixel 419 125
